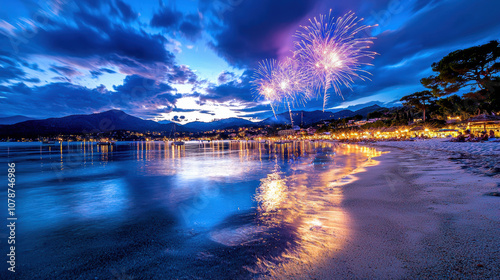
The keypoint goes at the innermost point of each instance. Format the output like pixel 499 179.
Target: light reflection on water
pixel 313 206
pixel 268 204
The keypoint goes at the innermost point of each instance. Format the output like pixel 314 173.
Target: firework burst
pixel 331 53
pixel 280 82
pixel 264 82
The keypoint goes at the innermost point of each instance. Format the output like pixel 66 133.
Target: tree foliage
pixel 419 100
pixel 472 68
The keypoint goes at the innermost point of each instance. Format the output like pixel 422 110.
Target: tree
pixel 374 115
pixel 419 100
pixel 472 68
pixel 357 117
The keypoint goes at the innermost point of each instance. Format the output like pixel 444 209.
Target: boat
pixel 176 143
pixel 48 142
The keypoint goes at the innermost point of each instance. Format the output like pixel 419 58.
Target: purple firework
pixel 332 51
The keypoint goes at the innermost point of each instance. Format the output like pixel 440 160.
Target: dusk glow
pixel 195 58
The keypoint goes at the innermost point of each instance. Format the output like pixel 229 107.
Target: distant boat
pixel 48 142
pixel 176 143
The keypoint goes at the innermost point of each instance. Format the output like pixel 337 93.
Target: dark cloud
pixel 8 73
pixel 191 27
pixel 406 54
pixel 32 80
pixel 237 89
pixel 140 88
pixel 56 99
pixel 166 18
pixel 95 4
pixel 256 30
pixel 64 70
pixel 137 95
pixel 225 77
pixel 182 74
pixel 207 112
pixel 183 110
pixel 119 42
pixel 7 61
pixel 88 19
pixel 96 73
pixel 32 66
pixel 126 11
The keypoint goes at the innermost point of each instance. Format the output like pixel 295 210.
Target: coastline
pixel 418 214
pixel 480 158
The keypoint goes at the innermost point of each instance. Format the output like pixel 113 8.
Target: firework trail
pixel 265 84
pixel 331 53
pixel 290 80
pixel 281 82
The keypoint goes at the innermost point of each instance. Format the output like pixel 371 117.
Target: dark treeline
pixel 465 84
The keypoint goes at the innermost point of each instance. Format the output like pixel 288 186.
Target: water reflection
pixel 271 192
pixel 312 204
pixel 271 203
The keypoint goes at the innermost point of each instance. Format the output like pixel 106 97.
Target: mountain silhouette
pixel 82 124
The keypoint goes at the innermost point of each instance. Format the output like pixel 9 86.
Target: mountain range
pixel 117 120
pixel 309 117
pixel 14 119
pixel 219 124
pixel 80 124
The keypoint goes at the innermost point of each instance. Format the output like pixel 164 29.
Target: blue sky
pixel 193 60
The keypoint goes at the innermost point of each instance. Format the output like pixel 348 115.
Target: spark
pixel 280 82
pixel 332 52
pixel 265 84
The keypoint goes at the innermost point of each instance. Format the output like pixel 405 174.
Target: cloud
pixel 64 70
pixel 126 11
pixel 237 89
pixel 117 45
pixel 55 99
pixel 256 30
pixel 181 74
pixel 225 77
pixel 191 27
pixel 139 88
pixel 166 18
pixel 406 54
pixel 137 95
pixel 8 73
pixel 96 73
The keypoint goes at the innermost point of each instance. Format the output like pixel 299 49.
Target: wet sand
pixel 414 216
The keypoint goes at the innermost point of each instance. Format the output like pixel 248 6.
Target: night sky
pixel 189 60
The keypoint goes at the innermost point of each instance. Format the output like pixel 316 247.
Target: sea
pixel 153 210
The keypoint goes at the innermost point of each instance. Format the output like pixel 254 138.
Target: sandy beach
pixel 417 214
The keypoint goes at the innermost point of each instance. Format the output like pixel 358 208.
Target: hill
pixel 80 124
pixel 219 124
pixel 14 119
pixel 365 111
pixel 305 117
pixel 310 117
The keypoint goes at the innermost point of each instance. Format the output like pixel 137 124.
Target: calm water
pixel 148 210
